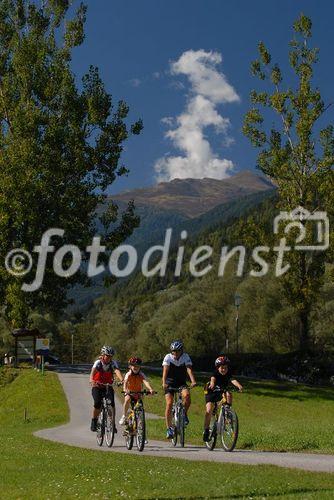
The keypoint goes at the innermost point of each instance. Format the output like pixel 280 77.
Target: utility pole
pixel 237 302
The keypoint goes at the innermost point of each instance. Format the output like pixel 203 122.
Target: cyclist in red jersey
pixel 103 373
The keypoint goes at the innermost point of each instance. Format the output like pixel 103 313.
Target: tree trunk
pixel 304 330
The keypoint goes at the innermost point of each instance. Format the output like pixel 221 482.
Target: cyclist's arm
pixel 165 370
pixel 125 384
pixel 148 385
pixel 92 373
pixel 236 384
pixel 119 375
pixel 191 375
pixel 212 382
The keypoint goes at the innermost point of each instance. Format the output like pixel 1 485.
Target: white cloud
pixel 209 88
pixel 135 82
pixel 168 120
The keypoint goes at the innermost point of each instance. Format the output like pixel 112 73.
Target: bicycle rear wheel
pixel 229 429
pixel 141 429
pixel 100 428
pixel 182 427
pixel 212 440
pixel 110 426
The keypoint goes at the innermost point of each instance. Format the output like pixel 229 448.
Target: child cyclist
pixel 133 382
pixel 220 378
pixel 103 373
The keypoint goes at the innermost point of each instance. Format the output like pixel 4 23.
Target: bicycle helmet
pixel 135 361
pixel 222 360
pixel 176 345
pixel 107 350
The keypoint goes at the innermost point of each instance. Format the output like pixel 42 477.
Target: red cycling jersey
pixel 104 372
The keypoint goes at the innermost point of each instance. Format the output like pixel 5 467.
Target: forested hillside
pixel 143 315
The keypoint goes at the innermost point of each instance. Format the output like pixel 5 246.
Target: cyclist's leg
pixel 169 405
pixel 208 413
pixel 186 399
pixel 228 396
pixel 97 397
pixel 126 405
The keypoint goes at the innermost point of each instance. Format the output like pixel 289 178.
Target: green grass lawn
pixel 35 468
pixel 272 416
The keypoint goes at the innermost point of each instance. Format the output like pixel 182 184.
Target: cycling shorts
pixel 99 393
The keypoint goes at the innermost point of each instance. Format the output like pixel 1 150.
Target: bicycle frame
pixel 223 414
pixel 136 416
pixel 178 412
pixel 106 419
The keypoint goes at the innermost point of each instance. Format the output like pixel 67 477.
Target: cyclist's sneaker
pixel 93 425
pixel 206 435
pixel 146 442
pixel 186 420
pixel 122 420
pixel 170 433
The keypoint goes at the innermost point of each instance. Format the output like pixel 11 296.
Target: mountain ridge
pixel 194 197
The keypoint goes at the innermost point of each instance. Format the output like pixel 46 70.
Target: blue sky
pixel 135 43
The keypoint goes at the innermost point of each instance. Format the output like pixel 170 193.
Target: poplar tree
pixel 297 153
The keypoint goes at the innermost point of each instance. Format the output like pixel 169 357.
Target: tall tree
pixel 60 146
pixel 297 153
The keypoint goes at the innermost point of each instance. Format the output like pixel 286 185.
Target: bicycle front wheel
pixel 110 426
pixel 212 439
pixel 129 437
pixel 141 430
pixel 229 429
pixel 182 426
pixel 100 428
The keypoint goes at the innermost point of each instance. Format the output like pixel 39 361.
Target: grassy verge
pixel 272 416
pixel 35 468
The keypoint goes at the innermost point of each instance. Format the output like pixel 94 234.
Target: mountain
pixel 200 204
pixel 194 197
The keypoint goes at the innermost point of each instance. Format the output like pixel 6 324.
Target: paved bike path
pixel 77 433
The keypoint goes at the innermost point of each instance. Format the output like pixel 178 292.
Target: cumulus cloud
pixel 208 88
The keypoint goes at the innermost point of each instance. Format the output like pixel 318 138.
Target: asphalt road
pixel 77 433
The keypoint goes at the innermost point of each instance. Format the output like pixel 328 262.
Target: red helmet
pixel 135 361
pixel 222 360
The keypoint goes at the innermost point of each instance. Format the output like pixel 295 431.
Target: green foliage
pixel 60 146
pixel 296 156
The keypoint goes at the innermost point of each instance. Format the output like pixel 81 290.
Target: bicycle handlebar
pixel 219 389
pixel 107 384
pixel 145 392
pixel 179 389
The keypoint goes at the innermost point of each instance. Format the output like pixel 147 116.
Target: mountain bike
pixel 106 420
pixel 135 426
pixel 224 421
pixel 178 416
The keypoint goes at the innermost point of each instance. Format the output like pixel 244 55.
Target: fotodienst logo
pixel 299 230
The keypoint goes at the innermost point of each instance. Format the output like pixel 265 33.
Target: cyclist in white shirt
pixel 176 366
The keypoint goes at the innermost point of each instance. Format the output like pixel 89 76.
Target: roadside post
pixel 42 349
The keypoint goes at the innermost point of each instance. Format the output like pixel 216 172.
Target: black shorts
pixel 99 393
pixel 172 391
pixel 214 397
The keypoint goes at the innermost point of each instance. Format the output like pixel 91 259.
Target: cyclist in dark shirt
pixel 176 367
pixel 220 378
